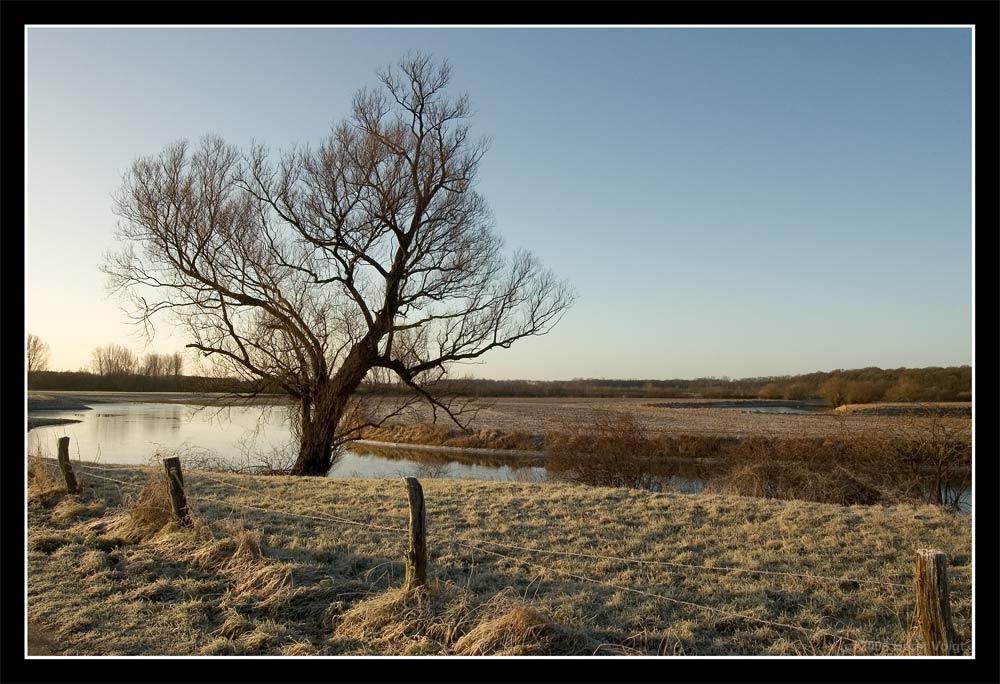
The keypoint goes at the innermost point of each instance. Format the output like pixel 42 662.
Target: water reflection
pixel 134 433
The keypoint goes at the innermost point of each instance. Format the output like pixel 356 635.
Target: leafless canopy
pixel 368 257
pixel 156 365
pixel 38 354
pixel 114 360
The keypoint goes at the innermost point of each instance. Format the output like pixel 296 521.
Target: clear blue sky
pixel 726 201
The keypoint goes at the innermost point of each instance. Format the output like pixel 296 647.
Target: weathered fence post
pixel 933 604
pixel 175 483
pixel 67 469
pixel 416 554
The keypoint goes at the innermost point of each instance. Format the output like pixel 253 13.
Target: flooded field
pixel 136 432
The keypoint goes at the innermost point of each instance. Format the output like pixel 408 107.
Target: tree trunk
pixel 318 424
pixel 315 449
pixel 321 413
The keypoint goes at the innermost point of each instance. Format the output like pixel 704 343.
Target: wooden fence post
pixel 933 604
pixel 175 483
pixel 67 469
pixel 416 554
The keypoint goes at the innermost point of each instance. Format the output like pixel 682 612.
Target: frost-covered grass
pixel 109 575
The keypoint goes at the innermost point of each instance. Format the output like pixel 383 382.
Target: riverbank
pixel 301 566
pixel 37 421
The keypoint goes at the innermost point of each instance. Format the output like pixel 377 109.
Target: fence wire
pixel 478 545
pixel 669 599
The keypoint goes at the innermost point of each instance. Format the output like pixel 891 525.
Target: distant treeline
pixel 83 381
pixel 867 385
pixel 837 387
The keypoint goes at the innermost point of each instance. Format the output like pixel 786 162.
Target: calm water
pixel 794 407
pixel 134 433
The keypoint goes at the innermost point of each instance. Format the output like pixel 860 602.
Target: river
pixel 141 433
pixel 138 432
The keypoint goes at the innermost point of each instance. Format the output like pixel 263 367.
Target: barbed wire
pixel 344 521
pixel 91 466
pixel 644 561
pixel 323 515
pixel 670 599
pixel 111 479
pixel 329 517
pixel 478 546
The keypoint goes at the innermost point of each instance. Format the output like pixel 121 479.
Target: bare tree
pixel 38 354
pixel 155 365
pixel 176 364
pixel 369 258
pixel 114 360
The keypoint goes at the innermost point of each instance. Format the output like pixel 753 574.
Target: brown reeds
pixel 921 458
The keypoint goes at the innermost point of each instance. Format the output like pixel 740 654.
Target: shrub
pixel 611 450
pixel 834 391
pixel 771 390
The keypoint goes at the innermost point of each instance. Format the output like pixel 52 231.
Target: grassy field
pixel 110 574
pixel 521 423
pixel 541 416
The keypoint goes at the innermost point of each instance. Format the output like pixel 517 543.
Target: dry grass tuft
pixel 240 556
pixel 219 646
pixel 298 648
pixel 45 484
pixel 148 513
pixel 398 620
pixel 442 619
pixel 234 625
pixel 241 547
pixel 92 562
pixel 256 640
pixel 516 628
pixel 267 583
pixel 70 508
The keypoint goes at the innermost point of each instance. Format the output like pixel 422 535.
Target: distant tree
pixel 154 365
pixel 834 391
pixel 114 360
pixel 38 354
pixel 906 388
pixel 771 390
pixel 369 257
pixel 176 364
pixel 797 391
pixel 861 392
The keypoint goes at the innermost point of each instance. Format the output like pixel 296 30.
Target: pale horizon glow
pixel 727 202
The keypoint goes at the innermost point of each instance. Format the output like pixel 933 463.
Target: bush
pixel 861 392
pixel 771 390
pixel 797 391
pixel 834 391
pixel 611 450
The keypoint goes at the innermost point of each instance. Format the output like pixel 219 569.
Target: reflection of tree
pixel 494 460
pixel 432 470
